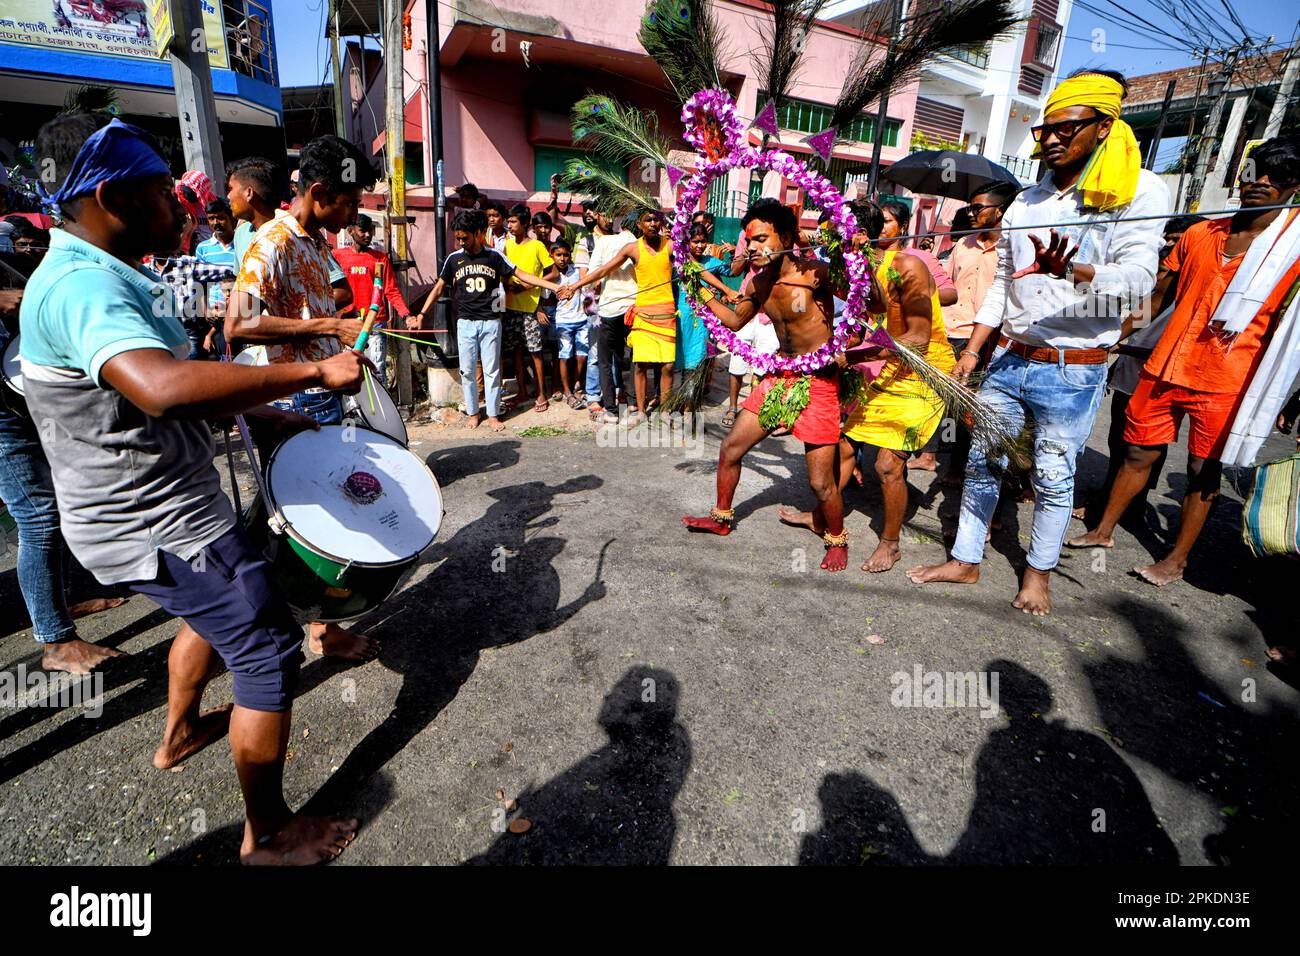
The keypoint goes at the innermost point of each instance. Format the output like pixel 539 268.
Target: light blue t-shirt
pixel 217 253
pixel 244 233
pixel 128 484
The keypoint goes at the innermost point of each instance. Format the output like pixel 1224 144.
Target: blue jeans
pixel 479 340
pixel 28 493
pixel 1062 401
pixel 324 407
pixel 377 352
pixel 592 385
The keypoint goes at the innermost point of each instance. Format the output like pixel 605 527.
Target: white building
pixel 985 102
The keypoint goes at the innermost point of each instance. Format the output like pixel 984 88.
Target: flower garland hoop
pixel 713 127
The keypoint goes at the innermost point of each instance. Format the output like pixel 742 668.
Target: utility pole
pixel 882 112
pixel 1160 126
pixel 1191 131
pixel 396 170
pixel 1278 112
pixel 1218 91
pixel 434 81
pixel 196 108
pixel 340 125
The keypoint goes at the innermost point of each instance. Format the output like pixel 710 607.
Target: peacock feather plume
pixel 933 28
pixel 618 132
pixel 90 98
pixel 608 190
pixel 777 60
pixel 684 38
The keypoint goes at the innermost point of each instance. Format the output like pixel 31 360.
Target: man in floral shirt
pixel 282 297
pixel 282 301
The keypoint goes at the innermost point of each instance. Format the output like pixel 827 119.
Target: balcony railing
pixel 1024 169
pixel 976 58
pixel 248 39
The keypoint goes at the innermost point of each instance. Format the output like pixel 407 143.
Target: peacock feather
pixel 622 133
pixel 937 26
pixel 684 38
pixel 783 41
pixel 609 191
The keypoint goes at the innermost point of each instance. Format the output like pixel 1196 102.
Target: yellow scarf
pixel 1111 176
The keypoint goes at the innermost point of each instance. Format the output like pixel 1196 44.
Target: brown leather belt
pixel 1043 353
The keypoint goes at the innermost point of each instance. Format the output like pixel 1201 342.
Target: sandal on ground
pixel 729 419
pixel 557 397
pixel 541 405
pixel 574 402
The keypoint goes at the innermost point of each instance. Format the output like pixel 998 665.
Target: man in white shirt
pixel 617 292
pixel 1060 297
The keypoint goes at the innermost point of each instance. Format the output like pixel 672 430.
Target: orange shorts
pixel 819 423
pixel 1156 410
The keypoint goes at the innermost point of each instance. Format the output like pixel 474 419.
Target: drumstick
pixel 376 297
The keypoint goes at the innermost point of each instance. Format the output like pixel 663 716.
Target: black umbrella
pixel 946 172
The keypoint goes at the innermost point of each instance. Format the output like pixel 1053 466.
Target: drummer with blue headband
pixel 131 453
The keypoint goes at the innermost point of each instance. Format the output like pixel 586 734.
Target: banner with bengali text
pixel 125 28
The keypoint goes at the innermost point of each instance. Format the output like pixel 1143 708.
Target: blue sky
pixel 1132 48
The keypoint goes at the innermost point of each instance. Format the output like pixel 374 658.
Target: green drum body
pixel 350 511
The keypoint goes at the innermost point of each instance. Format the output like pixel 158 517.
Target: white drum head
pixel 376 409
pixel 13 370
pixel 369 501
pixel 251 356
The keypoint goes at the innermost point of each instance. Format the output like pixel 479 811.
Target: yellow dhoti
pixel 897 410
pixel 653 338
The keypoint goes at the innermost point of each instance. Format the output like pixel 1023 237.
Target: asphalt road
pixel 648 696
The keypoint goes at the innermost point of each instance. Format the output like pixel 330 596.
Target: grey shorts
pixel 512 331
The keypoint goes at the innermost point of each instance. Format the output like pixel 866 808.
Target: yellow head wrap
pixel 1110 178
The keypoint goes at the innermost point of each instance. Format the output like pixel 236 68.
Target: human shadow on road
pixel 1044 793
pixel 615 806
pixel 1197 729
pixel 496 586
pixel 450 464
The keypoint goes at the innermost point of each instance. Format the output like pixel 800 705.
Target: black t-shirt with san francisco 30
pixel 477 282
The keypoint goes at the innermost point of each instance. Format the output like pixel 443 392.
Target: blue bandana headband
pixel 117 151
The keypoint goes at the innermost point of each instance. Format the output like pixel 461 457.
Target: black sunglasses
pixel 1064 130
pixel 974 207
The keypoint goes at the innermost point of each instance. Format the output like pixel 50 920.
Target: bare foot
pixel 707 525
pixel 857 474
pixel 924 462
pixel 1162 572
pixel 496 424
pixel 800 519
pixel 1033 597
pixel 474 421
pixel 303 841
pixel 884 557
pixel 76 656
pixel 1091 540
pixel 331 640
pixel 837 558
pixel 185 740
pixel 951 571
pixel 94 606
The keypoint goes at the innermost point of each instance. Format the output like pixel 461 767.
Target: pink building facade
pixel 511 70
